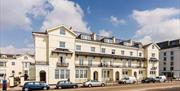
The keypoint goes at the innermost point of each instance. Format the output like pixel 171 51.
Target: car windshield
pixel 125 78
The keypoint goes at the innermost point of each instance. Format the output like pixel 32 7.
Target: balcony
pixel 59 64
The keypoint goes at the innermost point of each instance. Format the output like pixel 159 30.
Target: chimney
pixel 70 28
pixel 114 39
pixel 94 36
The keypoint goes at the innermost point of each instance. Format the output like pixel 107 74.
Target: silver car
pixel 93 83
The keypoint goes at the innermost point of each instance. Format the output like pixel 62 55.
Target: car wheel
pixel 45 88
pixel 74 86
pixel 89 85
pixel 26 89
pixel 102 84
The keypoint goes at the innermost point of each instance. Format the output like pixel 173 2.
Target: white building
pixel 15 65
pixel 61 53
pixel 170 58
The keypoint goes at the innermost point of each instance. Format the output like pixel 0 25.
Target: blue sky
pixel 126 19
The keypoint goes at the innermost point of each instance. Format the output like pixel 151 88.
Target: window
pixel 140 72
pixel 172 68
pixel 164 53
pixel 113 51
pixel 92 49
pixel 62 31
pixel 172 63
pixel 78 47
pixel 172 58
pixel 131 53
pixel 153 55
pixel 103 50
pixel 164 58
pixel 122 52
pixel 108 40
pixel 2 63
pixel 152 72
pixel 62 73
pixel 77 73
pixel 164 68
pixel 81 61
pixel 81 73
pixel 56 73
pixel 90 61
pixel 87 37
pixel 13 63
pixel 140 54
pixel 172 53
pixel 152 46
pixel 62 44
pixel 164 63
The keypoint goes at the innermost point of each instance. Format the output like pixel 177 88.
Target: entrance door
pixel 95 75
pixel 42 75
pixel 117 76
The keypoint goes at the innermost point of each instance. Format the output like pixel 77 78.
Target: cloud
pixel 14 13
pixel 67 13
pixel 88 10
pixel 115 21
pixel 105 33
pixel 10 49
pixel 157 25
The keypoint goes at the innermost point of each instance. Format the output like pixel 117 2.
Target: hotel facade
pixel 61 53
pixel 170 58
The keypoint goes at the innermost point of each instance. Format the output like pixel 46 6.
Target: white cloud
pixel 105 33
pixel 67 13
pixel 157 25
pixel 10 49
pixel 14 13
pixel 115 21
pixel 88 10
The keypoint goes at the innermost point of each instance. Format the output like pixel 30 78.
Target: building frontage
pixel 170 58
pixel 62 53
pixel 15 65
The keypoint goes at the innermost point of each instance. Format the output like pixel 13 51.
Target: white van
pixel 160 79
pixel 129 79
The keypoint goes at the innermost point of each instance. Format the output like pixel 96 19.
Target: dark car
pixel 35 86
pixel 148 80
pixel 66 84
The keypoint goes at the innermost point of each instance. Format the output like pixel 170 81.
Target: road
pixel 168 86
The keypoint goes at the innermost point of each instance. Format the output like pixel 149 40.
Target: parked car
pixel 93 83
pixel 66 84
pixel 129 79
pixel 161 79
pixel 148 80
pixel 35 86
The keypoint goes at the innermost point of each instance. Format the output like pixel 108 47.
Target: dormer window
pixel 87 37
pixel 62 31
pixel 152 46
pixel 108 40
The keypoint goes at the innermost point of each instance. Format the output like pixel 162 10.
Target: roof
pixel 169 44
pixel 151 44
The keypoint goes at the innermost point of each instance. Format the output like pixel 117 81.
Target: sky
pixel 140 20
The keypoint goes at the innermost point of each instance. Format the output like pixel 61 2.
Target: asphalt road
pixel 168 86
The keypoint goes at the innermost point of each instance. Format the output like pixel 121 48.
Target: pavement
pixel 168 86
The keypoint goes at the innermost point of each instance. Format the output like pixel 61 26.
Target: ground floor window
pixel 62 74
pixel 152 72
pixel 141 72
pixel 81 73
pixel 125 72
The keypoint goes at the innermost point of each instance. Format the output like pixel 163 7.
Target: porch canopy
pixel 61 50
